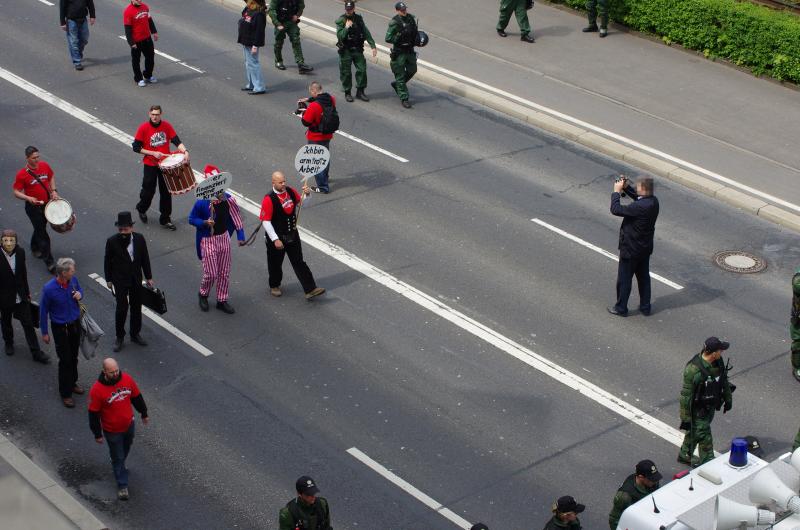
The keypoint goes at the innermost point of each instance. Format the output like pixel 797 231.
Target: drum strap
pixel 34 175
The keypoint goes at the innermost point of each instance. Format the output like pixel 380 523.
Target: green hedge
pixel 756 37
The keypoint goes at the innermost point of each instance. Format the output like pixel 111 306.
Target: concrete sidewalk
pixel 29 498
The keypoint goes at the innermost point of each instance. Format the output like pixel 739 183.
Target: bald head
pixel 110 368
pixel 279 181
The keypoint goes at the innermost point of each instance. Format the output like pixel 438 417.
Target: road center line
pixel 437 507
pixel 170 58
pixel 155 317
pixel 571 380
pixel 45 2
pixel 599 250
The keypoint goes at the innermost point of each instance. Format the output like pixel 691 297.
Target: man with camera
pixel 635 241
pixel 318 113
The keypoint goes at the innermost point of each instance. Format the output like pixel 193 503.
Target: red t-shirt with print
pixel 113 403
pixel 155 139
pixel 25 182
pixel 138 18
pixel 287 202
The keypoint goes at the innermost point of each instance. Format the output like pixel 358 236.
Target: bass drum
pixel 59 214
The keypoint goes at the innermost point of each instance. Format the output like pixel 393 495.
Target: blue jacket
pixel 59 304
pixel 202 211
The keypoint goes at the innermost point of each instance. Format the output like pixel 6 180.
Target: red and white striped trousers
pixel 216 258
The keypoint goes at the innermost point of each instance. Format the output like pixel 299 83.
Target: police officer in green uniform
pixel 402 34
pixel 565 514
pixel 636 487
pixel 794 324
pixel 285 15
pixel 705 389
pixel 351 32
pixel 520 9
pixel 796 441
pixel 306 511
pixel 591 10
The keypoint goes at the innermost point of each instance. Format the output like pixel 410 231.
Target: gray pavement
pixel 292 385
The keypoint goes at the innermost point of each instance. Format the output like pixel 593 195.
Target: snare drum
pixel 59 214
pixel 178 174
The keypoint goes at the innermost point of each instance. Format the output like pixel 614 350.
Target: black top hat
pixel 124 219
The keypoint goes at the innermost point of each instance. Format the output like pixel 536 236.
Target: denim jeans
pixel 119 445
pixel 322 176
pixel 252 70
pixel 77 38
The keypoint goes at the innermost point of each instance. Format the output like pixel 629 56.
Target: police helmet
pixel 422 39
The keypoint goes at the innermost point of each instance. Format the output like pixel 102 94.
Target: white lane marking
pixel 170 58
pixel 481 331
pixel 372 146
pixel 589 126
pixel 599 250
pixel 45 2
pixel 155 317
pixel 437 507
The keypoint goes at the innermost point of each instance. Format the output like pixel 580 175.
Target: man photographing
pixel 635 241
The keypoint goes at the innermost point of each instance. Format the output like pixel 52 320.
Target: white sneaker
pixel 142 83
pixel 152 80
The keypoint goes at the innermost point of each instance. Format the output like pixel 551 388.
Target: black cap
pixel 349 4
pixel 568 504
pixel 400 6
pixel 648 469
pixel 754 446
pixel 306 486
pixel 124 219
pixel 714 344
pixel 479 526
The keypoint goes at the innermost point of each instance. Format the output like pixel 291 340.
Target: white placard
pixel 311 159
pixel 210 187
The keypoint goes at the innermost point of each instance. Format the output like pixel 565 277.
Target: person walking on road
pixel 72 15
pixel 636 486
pixel 705 389
pixel 15 297
pixel 402 35
pixel 565 514
pixel 520 9
pixel 285 16
pixel 322 120
pixel 794 325
pixel 111 417
pixel 635 241
pixel 36 185
pixel 252 30
pixel 59 302
pixel 591 11
pixel 140 32
pixel 307 510
pixel 279 218
pixel 152 140
pixel 351 32
pixel 126 259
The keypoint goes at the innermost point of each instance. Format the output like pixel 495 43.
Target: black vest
pixel 354 40
pixel 708 394
pixel 629 487
pixel 407 33
pixel 283 223
pixel 221 214
pixel 286 10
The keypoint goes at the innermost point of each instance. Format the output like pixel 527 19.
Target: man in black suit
pixel 15 297
pixel 126 259
pixel 635 241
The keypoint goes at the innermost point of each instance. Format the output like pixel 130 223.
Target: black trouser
pixel 40 240
pixel 295 253
pixel 130 295
pixel 152 175
pixel 143 47
pixel 22 312
pixel 68 341
pixel 627 268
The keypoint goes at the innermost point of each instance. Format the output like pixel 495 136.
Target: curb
pixel 41 482
pixel 601 144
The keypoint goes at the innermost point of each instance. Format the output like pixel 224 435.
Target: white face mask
pixel 9 243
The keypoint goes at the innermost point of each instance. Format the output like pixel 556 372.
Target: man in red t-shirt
pixel 36 185
pixel 111 415
pixel 152 140
pixel 140 32
pixel 279 219
pixel 312 118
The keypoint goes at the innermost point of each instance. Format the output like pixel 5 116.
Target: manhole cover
pixel 739 261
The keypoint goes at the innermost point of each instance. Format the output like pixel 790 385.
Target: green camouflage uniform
pixel 591 9
pixel 309 513
pixel 289 28
pixel 557 524
pixel 403 58
pixel 519 8
pixel 629 493
pixel 351 53
pixel 794 323
pixel 700 418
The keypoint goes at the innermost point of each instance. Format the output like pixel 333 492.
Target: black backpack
pixel 329 123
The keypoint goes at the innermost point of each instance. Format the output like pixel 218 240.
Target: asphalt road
pixel 292 385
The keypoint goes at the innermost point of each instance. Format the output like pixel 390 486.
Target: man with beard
pixel 111 416
pixel 125 260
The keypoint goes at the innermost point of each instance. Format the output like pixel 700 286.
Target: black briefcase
pixel 154 299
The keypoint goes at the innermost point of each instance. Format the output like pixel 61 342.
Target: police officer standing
pixel 794 325
pixel 705 389
pixel 591 10
pixel 636 487
pixel 565 514
pixel 285 16
pixel 402 35
pixel 520 9
pixel 306 510
pixel 351 32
